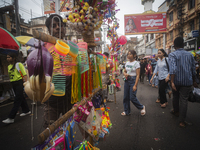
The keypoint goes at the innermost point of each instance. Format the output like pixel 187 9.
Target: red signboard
pixel 145 23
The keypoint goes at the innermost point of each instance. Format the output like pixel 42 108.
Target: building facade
pixel 140 47
pixel 161 39
pixel 182 19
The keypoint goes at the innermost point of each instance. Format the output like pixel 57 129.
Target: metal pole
pixel 17 23
pixel 57 7
pixel 104 39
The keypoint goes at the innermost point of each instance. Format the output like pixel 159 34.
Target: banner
pixel 154 51
pixel 49 6
pixel 145 23
pixel 148 51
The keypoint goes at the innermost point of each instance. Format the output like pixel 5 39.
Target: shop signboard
pixel 195 33
pixel 49 6
pixel 145 23
pixel 190 45
pixel 154 51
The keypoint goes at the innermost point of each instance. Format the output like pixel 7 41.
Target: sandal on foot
pixel 182 124
pixel 157 101
pixel 123 114
pixel 163 105
pixel 174 113
pixel 143 111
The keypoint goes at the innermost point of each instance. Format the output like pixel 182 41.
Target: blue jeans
pixel 129 95
pixel 149 77
pixel 155 81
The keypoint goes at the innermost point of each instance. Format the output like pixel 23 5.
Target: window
pixel 191 4
pixel 171 16
pixel 152 36
pixel 192 25
pixel 147 38
pixel 39 29
pixel 159 42
pixel 171 35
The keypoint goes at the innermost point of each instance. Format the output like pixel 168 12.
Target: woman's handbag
pixel 194 95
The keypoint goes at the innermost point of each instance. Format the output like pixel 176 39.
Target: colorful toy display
pixel 40 69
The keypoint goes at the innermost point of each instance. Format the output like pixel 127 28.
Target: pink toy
pixel 86 114
pixel 88 106
pixel 60 143
pixel 79 114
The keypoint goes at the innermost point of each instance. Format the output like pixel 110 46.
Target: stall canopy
pixel 8 41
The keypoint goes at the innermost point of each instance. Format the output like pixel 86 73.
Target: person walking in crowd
pixel 106 81
pixel 148 70
pixel 182 71
pixel 16 79
pixel 145 64
pixel 57 105
pixel 155 79
pixel 163 76
pixel 131 73
pixel 142 70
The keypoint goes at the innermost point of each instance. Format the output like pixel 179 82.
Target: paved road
pixel 134 132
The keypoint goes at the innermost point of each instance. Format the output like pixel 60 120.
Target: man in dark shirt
pixel 182 71
pixel 142 70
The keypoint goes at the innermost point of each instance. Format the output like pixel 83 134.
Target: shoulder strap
pixel 18 69
pixel 132 67
pixel 167 64
pixel 17 66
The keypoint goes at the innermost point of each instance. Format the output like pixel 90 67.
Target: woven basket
pixel 89 39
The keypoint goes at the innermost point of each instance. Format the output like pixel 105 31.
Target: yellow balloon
pixel 85 8
pixel 77 16
pixel 82 12
pixel 64 20
pixel 86 4
pixel 95 132
pixel 70 17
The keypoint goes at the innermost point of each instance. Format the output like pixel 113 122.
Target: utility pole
pixel 17 23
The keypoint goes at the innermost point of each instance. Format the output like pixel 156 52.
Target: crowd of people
pixel 175 73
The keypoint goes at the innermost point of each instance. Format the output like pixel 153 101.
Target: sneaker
pixel 24 114
pixel 8 120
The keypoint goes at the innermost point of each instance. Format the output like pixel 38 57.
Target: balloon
pixel 122 40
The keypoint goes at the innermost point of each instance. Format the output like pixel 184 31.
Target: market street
pixel 158 129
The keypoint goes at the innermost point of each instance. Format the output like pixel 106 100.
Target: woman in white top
pixel 131 73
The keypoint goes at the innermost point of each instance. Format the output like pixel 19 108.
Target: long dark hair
pixel 14 57
pixel 163 51
pixel 133 52
pixel 131 20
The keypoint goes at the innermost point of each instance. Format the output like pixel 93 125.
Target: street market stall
pixel 52 59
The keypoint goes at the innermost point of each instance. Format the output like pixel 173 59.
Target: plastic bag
pixel 93 124
pixel 196 93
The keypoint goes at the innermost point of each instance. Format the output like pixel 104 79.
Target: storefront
pixel 190 44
